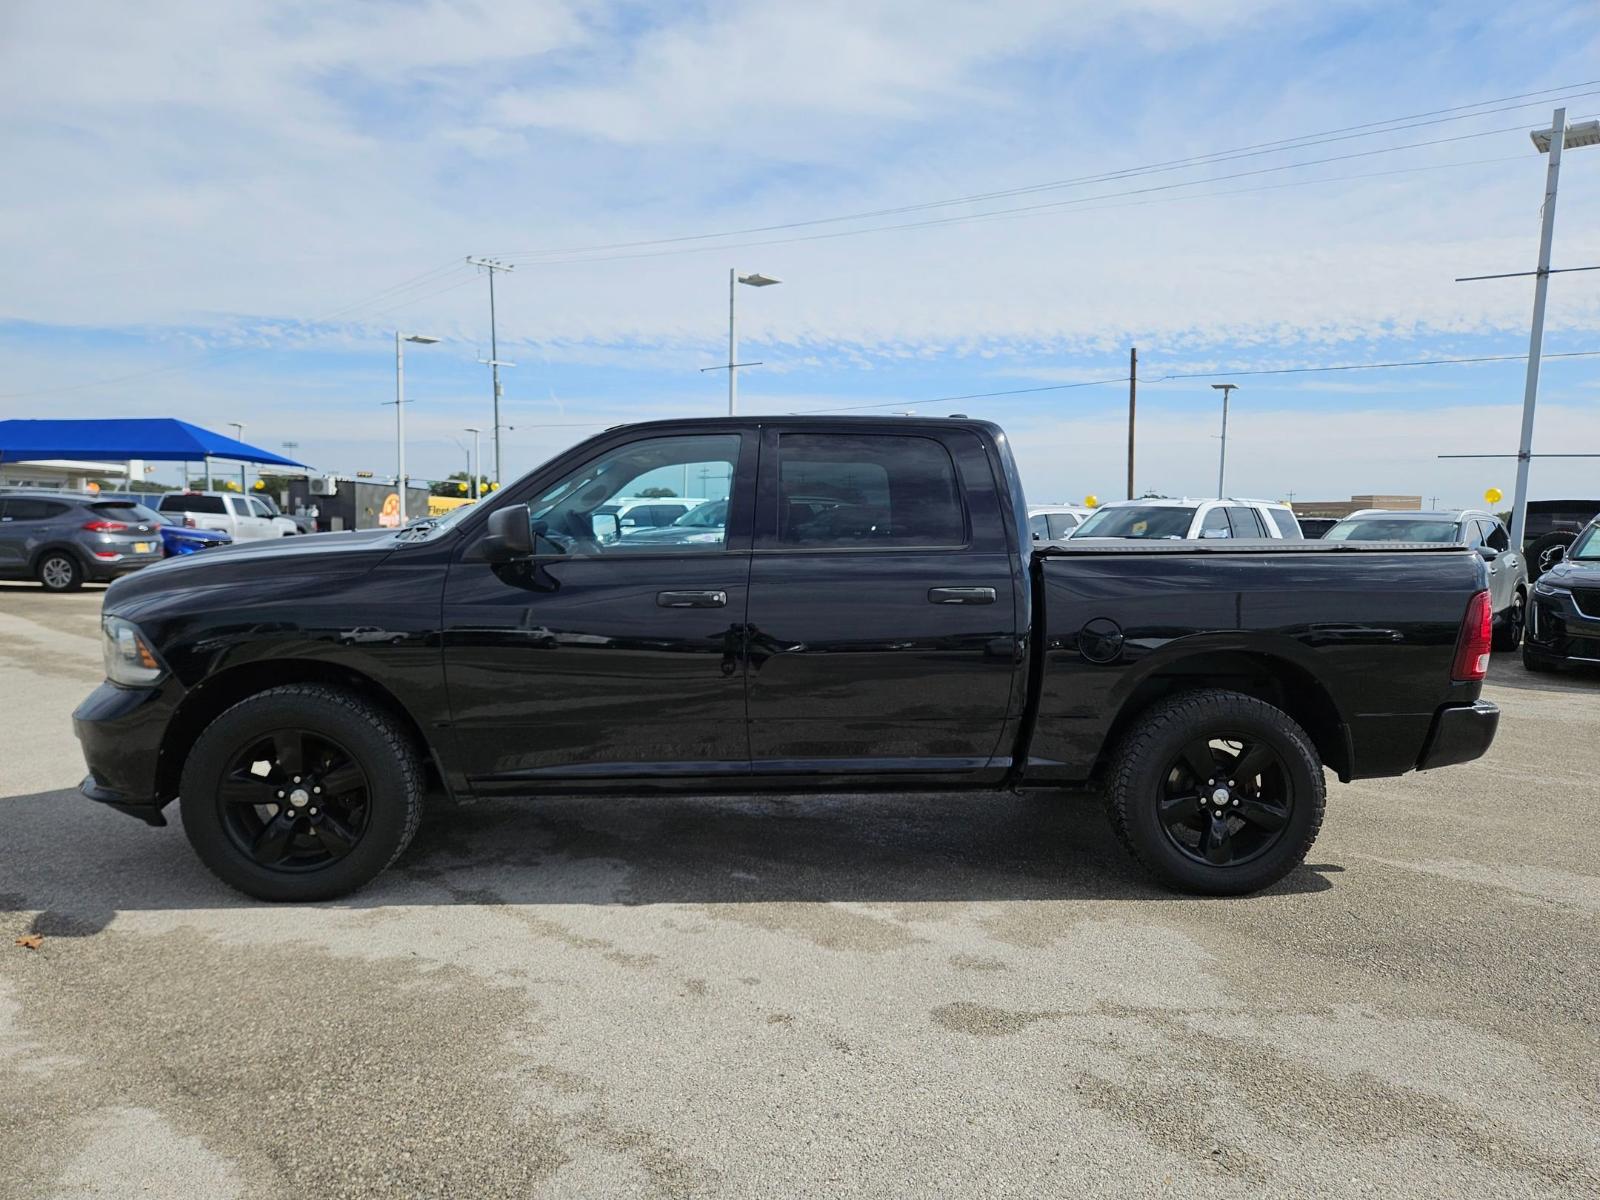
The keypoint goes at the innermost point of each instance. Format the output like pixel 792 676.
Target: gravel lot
pixel 887 995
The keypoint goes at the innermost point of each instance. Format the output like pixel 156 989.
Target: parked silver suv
pixel 64 540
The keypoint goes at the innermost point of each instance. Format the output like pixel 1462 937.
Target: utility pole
pixel 1227 390
pixel 473 465
pixel 491 266
pixel 1133 397
pixel 238 436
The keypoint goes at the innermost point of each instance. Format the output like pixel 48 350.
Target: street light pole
pixel 754 279
pixel 400 339
pixel 1541 287
pixel 1222 463
pixel 238 436
pixel 473 468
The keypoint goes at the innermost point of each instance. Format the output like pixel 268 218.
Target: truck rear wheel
pixel 301 793
pixel 1216 792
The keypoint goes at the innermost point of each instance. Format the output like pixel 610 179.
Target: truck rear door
pixel 883 608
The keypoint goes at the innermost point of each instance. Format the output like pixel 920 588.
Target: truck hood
pixel 246 562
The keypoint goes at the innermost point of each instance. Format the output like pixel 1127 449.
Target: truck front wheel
pixel 301 793
pixel 1216 792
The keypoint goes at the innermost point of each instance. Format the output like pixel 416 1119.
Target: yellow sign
pixel 1091 501
pixel 439 505
pixel 1494 495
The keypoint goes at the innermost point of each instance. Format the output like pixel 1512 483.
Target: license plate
pixel 141 547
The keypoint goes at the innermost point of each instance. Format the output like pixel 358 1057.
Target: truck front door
pixel 883 608
pixel 607 661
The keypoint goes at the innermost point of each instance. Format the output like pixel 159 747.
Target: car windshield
pixel 713 514
pixel 1587 545
pixel 1391 529
pixel 1138 521
pixel 121 510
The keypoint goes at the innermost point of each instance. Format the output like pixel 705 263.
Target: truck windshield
pixel 1138 521
pixel 1394 529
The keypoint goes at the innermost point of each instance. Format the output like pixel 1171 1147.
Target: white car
pixel 1052 522
pixel 244 516
pixel 647 512
pixel 1191 520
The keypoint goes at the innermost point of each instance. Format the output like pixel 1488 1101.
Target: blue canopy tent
pixel 120 439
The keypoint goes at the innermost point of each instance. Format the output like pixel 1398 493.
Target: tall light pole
pixel 493 361
pixel 1227 390
pixel 238 436
pixel 473 468
pixel 422 339
pixel 1547 141
pixel 754 279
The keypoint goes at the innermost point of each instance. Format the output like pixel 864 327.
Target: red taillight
pixel 1472 650
pixel 104 526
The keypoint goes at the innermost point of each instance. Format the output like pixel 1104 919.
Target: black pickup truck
pixel 865 610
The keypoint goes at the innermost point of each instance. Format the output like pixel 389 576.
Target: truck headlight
pixel 128 657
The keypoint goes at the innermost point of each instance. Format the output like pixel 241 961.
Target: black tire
pixel 1508 633
pixel 1150 770
pixel 1539 553
pixel 331 844
pixel 1536 662
pixel 59 571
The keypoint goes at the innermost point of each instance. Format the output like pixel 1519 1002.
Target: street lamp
pixel 1585 133
pixel 754 279
pixel 473 468
pixel 238 436
pixel 421 339
pixel 1227 390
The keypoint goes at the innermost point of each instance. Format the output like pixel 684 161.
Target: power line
pixel 1371 129
pixel 1053 205
pixel 1423 362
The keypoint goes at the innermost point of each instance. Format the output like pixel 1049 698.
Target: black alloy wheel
pixel 1507 634
pixel 1216 792
pixel 1226 799
pixel 294 800
pixel 302 792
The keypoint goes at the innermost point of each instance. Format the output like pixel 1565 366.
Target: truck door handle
pixel 691 599
pixel 961 595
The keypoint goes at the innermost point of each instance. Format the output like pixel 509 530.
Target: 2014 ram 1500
pixel 868 613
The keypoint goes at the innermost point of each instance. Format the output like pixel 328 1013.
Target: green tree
pixel 459 485
pixel 656 493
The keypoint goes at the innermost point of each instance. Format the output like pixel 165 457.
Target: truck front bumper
pixel 1460 733
pixel 120 729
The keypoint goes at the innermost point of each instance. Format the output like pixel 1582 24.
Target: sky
pixel 224 213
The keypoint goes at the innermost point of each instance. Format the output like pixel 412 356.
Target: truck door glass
pixel 702 464
pixel 1216 524
pixel 1039 528
pixel 867 490
pixel 258 508
pixel 1062 525
pixel 1246 522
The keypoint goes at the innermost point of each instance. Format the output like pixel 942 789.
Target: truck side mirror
pixel 510 534
pixel 607 527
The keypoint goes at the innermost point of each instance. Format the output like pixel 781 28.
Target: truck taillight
pixel 104 526
pixel 1472 649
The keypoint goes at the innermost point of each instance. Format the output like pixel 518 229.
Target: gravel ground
pixel 835 996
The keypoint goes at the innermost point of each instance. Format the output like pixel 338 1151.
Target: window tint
pixel 24 509
pixel 867 490
pixel 567 510
pixel 1495 536
pixel 1287 523
pixel 1246 522
pixel 1138 521
pixel 1391 529
pixel 198 504
pixel 258 508
pixel 1039 527
pixel 133 513
pixel 1216 524
pixel 1062 525
pixel 1472 533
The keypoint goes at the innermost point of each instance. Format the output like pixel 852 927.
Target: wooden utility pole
pixel 1133 403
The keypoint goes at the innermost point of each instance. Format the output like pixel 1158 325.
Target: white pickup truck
pixel 244 516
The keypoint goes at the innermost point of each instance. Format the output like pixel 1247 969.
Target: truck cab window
pixel 574 513
pixel 867 490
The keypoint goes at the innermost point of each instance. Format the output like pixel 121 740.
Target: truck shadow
pixel 76 866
